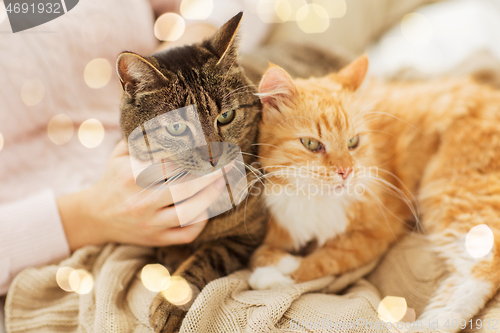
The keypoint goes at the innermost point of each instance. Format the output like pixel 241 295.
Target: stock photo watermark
pixel 441 324
pixel 26 14
pixel 353 324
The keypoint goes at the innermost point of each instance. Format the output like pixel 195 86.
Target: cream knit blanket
pixel 119 302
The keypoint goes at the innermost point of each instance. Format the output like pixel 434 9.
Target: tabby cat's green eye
pixel 311 144
pixel 354 142
pixel 176 129
pixel 226 117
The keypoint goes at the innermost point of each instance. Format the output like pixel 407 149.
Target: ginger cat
pixel 345 171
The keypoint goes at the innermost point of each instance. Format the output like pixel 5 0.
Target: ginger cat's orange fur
pixel 347 169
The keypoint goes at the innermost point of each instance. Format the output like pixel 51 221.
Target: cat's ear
pixel 138 74
pixel 352 75
pixel 276 87
pixel 224 42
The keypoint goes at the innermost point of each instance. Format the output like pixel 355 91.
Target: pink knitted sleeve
pixel 32 235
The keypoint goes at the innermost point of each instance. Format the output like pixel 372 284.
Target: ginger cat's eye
pixel 354 142
pixel 311 144
pixel 226 117
pixel 176 129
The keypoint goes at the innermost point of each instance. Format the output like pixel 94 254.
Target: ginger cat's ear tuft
pixel 276 87
pixel 138 74
pixel 352 75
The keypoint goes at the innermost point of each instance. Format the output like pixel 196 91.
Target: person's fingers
pixel 187 211
pixel 184 235
pixel 180 192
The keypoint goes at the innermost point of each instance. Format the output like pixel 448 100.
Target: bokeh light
pixel 60 129
pixel 95 28
pixel 283 10
pixel 62 278
pixel 479 241
pixel 416 28
pixel 155 277
pixel 196 9
pixel 77 280
pixel 313 18
pixel 91 133
pixel 334 8
pixel 81 281
pixel 295 5
pixel 97 73
pixel 179 291
pixel 392 309
pixel 169 27
pixel 32 92
pixel 277 11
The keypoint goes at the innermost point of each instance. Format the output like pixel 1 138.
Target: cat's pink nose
pixel 344 172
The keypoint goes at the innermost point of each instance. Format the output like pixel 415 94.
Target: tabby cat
pixel 208 76
pixel 346 169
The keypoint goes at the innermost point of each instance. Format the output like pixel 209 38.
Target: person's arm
pixel 31 235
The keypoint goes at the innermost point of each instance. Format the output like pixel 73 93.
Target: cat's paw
pixel 268 278
pixel 309 270
pixel 165 316
pixel 289 264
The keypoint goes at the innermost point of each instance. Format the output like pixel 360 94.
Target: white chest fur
pixel 309 217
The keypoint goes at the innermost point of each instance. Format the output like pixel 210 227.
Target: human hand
pixel 115 209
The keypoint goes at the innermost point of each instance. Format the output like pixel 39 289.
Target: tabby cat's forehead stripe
pixel 193 79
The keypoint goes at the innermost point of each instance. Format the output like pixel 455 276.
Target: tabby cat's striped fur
pixel 208 76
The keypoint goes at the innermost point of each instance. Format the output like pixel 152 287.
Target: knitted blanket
pixel 119 302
